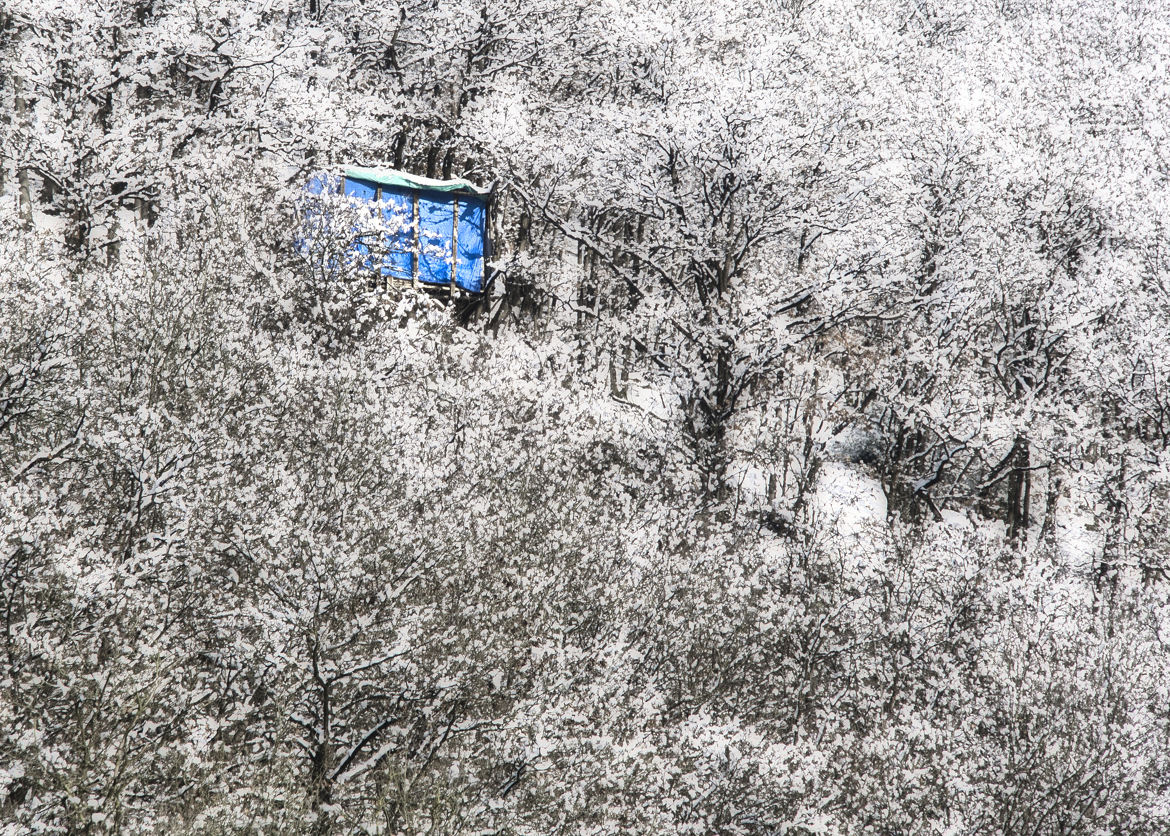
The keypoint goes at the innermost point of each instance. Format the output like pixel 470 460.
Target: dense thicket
pixel 804 470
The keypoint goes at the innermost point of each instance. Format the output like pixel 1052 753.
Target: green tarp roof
pixel 390 177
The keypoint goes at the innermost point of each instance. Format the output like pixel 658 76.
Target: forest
pixel 803 467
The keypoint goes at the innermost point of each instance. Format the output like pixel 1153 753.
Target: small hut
pixel 437 233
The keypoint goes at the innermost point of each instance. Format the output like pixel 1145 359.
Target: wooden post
pixel 454 240
pixel 380 281
pixel 416 249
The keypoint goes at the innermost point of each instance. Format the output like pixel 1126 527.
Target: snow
pixel 849 500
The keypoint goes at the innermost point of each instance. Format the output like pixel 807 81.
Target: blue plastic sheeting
pixel 321 183
pixel 436 214
pixel 426 253
pixel 470 242
pixel 360 189
pixel 363 191
pixel 398 242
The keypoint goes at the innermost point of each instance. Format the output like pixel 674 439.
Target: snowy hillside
pixel 802 467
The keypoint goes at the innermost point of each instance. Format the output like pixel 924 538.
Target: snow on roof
pixel 392 177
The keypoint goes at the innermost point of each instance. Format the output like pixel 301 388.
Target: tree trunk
pixel 24 191
pixel 1019 490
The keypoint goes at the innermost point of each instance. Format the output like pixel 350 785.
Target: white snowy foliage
pixel 803 469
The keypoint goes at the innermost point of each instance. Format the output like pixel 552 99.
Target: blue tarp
pixel 362 191
pixel 398 242
pixel 451 226
pixel 471 240
pixel 435 217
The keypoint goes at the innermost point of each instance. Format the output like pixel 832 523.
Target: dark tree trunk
pixel 1019 492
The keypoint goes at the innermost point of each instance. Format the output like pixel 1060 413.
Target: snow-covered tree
pixel 803 468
